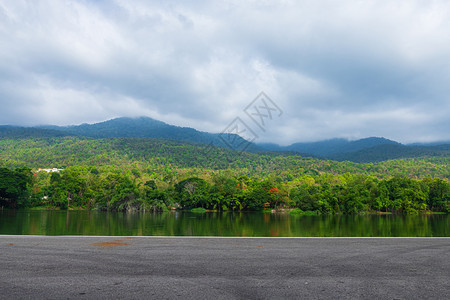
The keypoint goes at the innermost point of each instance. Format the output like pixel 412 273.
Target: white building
pixel 50 170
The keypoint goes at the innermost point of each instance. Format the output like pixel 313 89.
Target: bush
pixel 298 212
pixel 198 210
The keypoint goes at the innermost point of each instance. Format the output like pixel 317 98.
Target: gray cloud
pixel 337 69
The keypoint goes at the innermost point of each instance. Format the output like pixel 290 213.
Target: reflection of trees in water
pixel 218 224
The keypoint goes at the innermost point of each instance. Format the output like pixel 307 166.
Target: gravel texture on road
pixel 47 267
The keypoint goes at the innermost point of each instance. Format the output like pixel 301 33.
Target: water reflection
pixel 218 224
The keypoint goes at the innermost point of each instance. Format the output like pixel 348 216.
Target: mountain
pixel 430 143
pixel 334 146
pixel 329 147
pixel 391 151
pixel 144 127
pixel 28 132
pixel 372 149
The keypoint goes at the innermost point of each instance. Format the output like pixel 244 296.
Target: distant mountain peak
pixel 146 127
pixel 333 146
pixel 362 150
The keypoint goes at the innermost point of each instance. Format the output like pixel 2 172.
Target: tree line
pixel 118 189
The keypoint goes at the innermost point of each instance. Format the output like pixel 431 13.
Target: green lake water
pixel 245 224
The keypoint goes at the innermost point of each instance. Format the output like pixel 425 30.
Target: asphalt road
pixel 223 268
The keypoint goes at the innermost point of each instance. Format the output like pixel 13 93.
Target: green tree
pixel 192 192
pixel 154 199
pixel 15 187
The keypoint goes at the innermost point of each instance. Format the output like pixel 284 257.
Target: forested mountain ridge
pixel 391 151
pixel 371 149
pixel 145 127
pixel 330 147
pixel 14 132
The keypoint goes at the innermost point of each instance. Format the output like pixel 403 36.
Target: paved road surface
pixel 223 268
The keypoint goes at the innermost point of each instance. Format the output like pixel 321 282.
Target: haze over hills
pixel 391 151
pixel 370 149
pixel 330 147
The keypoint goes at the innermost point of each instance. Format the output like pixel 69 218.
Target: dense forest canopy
pixel 162 156
pixel 155 174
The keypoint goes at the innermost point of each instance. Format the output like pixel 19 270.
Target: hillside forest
pixel 147 174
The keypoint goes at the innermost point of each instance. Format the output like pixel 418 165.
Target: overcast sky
pixel 346 68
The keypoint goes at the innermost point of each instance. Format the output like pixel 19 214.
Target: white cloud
pixel 337 69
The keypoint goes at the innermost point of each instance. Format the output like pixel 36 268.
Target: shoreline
pixel 272 211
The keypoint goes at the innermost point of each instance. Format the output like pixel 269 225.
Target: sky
pixel 334 69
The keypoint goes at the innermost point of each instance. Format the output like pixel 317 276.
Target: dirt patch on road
pixel 111 244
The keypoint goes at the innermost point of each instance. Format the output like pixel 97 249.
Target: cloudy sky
pixel 347 68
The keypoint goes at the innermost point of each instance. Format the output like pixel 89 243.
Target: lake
pixel 233 224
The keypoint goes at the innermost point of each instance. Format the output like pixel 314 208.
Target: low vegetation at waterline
pixel 109 188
